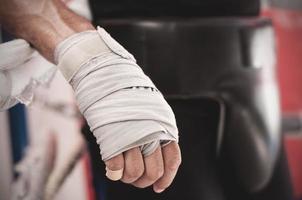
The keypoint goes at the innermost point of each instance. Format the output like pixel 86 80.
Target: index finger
pixel 115 167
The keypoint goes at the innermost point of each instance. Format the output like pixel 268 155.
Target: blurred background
pixel 218 63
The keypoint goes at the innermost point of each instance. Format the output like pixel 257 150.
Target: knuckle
pixel 174 163
pixel 114 166
pixel 160 173
pixel 150 177
pixel 155 174
pixel 133 173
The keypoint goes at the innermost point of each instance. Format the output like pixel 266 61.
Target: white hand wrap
pixel 120 103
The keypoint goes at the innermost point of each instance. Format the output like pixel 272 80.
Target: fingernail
pixel 114 175
pixel 158 190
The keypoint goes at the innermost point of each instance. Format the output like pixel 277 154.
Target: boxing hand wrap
pixel 120 103
pixel 22 69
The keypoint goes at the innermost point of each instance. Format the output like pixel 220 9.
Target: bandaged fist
pixel 129 117
pixel 132 122
pixel 157 169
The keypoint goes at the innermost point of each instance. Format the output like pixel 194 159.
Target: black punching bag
pixel 218 74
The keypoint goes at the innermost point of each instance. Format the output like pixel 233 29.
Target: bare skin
pixel 44 24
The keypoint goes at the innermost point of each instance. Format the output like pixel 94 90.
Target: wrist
pixel 45 35
pixel 47 28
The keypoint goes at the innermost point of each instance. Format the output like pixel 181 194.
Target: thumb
pixel 115 167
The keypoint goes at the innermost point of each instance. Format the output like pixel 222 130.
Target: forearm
pixel 44 24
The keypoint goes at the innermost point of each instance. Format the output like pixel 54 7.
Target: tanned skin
pixel 46 23
pixel 42 23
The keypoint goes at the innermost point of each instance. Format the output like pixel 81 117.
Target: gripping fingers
pixel 158 169
pixel 154 169
pixel 134 165
pixel 115 167
pixel 172 160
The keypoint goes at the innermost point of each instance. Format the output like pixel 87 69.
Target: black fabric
pixel 278 188
pixel 177 8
